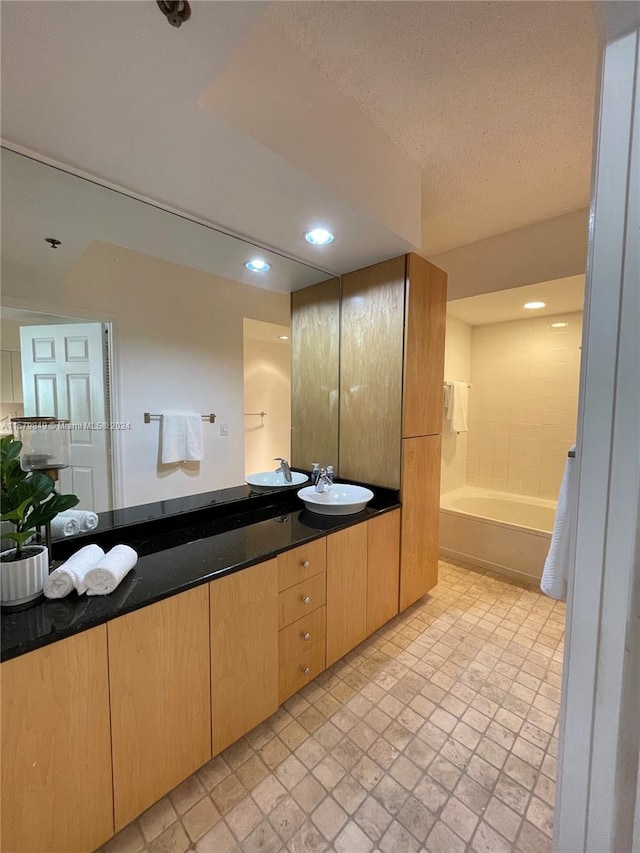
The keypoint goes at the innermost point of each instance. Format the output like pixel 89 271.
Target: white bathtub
pixel 507 533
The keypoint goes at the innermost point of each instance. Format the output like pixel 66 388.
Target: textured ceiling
pixel 493 100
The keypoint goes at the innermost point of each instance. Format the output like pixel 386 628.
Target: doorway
pixel 55 366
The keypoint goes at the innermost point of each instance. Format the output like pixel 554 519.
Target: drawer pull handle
pixel 305 670
pixel 305 564
pixel 306 635
pixel 305 599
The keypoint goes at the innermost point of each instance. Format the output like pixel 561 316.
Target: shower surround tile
pixel 438 734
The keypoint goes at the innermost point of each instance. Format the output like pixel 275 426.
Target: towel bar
pixel 147 417
pixel 257 414
pixel 469 385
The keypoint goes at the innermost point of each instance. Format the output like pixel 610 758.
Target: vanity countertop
pixel 176 553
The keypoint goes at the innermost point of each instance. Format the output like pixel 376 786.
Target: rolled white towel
pixel 64 526
pixel 72 573
pixel 86 519
pixel 104 577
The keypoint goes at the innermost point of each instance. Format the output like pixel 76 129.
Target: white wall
pixel 457 365
pixel 523 404
pixel 545 251
pixel 267 388
pixel 178 339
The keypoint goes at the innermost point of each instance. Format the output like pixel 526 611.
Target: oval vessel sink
pixel 340 499
pixel 265 481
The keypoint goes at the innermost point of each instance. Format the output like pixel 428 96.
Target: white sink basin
pixel 340 499
pixel 265 481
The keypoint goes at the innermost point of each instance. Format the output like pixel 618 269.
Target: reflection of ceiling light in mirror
pixel 283 337
pixel 533 305
pixel 559 325
pixel 318 237
pixel 257 265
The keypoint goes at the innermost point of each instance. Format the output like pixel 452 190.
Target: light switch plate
pixel 224 428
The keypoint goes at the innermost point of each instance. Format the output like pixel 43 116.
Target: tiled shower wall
pixel 457 365
pixel 523 404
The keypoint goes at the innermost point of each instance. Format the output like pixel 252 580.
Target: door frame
pixel 598 799
pixel 113 383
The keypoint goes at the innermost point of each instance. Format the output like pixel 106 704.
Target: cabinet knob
pixel 306 635
pixel 305 564
pixel 305 670
pixel 305 599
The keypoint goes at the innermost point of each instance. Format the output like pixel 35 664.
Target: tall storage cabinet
pixel 391 393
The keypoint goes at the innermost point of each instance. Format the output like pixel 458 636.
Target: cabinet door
pixel 160 699
pixel 420 517
pixel 371 345
pixel 346 591
pixel 56 748
pixel 424 348
pixel 383 570
pixel 315 354
pixel 244 651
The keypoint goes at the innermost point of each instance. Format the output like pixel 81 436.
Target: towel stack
pixel 92 571
pixel 73 521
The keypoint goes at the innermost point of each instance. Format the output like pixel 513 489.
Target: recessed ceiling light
pixel 283 337
pixel 559 325
pixel 257 265
pixel 533 305
pixel 319 237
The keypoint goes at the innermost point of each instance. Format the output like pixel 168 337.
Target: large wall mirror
pixel 113 307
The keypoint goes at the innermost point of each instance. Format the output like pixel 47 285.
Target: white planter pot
pixel 22 581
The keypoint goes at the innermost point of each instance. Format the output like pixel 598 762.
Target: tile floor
pixel 438 733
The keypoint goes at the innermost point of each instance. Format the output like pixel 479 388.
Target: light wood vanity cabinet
pixel 244 651
pixel 383 569
pixel 346 591
pixel 56 747
pixel 98 727
pixel 302 616
pixel 160 699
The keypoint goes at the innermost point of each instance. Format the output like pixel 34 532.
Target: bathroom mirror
pixel 169 296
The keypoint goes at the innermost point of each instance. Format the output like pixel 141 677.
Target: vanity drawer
pixel 295 673
pixel 301 563
pixel 306 632
pixel 302 599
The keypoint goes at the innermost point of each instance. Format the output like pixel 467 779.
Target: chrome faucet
pixel 284 468
pixel 323 480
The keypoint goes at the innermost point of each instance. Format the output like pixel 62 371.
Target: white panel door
pixel 63 377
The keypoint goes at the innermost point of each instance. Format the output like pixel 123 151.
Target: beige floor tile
pixel 458 817
pixel 156 819
pixel 172 840
pixel 373 819
pixel 200 818
pixel 329 818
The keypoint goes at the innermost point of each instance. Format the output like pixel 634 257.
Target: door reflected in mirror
pixel 54 366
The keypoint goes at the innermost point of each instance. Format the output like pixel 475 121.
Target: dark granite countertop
pixel 176 552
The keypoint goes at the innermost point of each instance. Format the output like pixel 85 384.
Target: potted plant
pixel 29 500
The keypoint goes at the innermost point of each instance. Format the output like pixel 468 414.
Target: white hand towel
pixel 64 526
pixel 86 519
pixel 181 438
pixel 72 573
pixel 458 406
pixel 104 577
pixel 555 575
